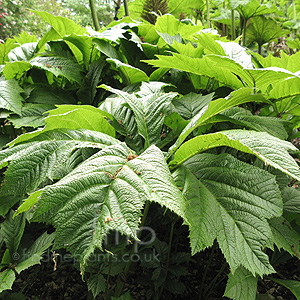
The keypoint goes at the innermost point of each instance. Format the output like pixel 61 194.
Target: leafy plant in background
pixel 185 130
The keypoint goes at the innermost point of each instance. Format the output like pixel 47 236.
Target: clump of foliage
pixel 106 131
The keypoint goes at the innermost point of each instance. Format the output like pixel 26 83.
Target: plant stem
pixel 94 14
pixel 126 8
pixel 168 257
pixel 208 13
pixel 207 268
pixel 232 25
pixel 244 32
pixel 121 281
pixel 259 49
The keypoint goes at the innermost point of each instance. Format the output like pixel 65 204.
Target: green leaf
pixel 215 107
pixel 72 117
pixel 10 96
pixel 24 52
pixel 238 199
pixel 292 285
pixel 7 279
pixel 88 90
pixel 263 30
pixel 6 202
pixel 149 111
pixel 129 74
pixel 190 104
pixel 96 283
pixel 29 202
pixel 199 208
pixel 273 126
pixel 34 254
pixel 50 155
pixel 271 150
pixel 241 285
pixel 220 68
pixel 125 296
pixel 291 199
pixel 59 66
pixel 61 25
pixel 24 37
pixel 12 231
pixel 5 49
pixel 16 69
pixel 32 115
pixel 106 192
pixel 285 237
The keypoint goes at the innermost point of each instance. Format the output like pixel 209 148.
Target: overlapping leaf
pixel 238 199
pixel 107 192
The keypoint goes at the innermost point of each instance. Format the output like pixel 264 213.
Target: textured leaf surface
pixel 215 107
pixel 10 97
pixel 271 150
pixel 107 192
pixel 47 156
pixel 291 199
pixel 285 237
pixel 149 111
pixel 241 285
pixel 240 199
pixel 96 283
pixel 59 66
pixel 72 117
pixel 12 231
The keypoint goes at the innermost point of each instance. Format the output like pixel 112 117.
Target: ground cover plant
pixel 142 126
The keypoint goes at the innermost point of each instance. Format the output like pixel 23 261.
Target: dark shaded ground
pixel 43 283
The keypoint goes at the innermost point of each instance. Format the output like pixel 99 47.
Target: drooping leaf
pixel 12 231
pixel 6 202
pixel 10 96
pixel 5 48
pixel 96 283
pixel 47 156
pixel 106 192
pixel 239 198
pixel 15 69
pixel 241 285
pixel 271 150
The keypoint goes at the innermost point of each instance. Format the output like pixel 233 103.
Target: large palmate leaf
pixel 215 107
pixel 238 199
pixel 149 110
pixel 271 150
pixel 10 96
pixel 220 68
pixel 47 156
pixel 106 192
pixel 241 285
